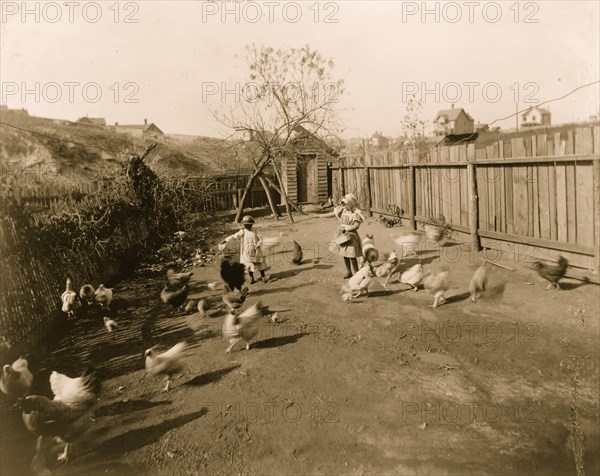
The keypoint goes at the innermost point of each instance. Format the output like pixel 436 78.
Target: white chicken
pixel 243 326
pixel 388 269
pixel 357 284
pixel 412 276
pixel 201 306
pixel 168 363
pixel 407 244
pixel 478 282
pixel 70 300
pixel 73 397
pixel 436 284
pixel 103 296
pixel 109 323
pixel 269 242
pixel 16 378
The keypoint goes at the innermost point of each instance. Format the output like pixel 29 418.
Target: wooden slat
pixel 464 197
pixel 482 192
pixel 455 190
pixel 543 202
pixel 536 204
pixel 584 185
pixel 521 204
pixel 561 203
pixel 571 204
pixel 552 200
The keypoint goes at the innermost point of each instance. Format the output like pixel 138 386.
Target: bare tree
pixel 289 92
pixel 413 127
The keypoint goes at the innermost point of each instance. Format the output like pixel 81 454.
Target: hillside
pixel 38 149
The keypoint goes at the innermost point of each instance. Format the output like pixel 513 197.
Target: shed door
pixel 307 178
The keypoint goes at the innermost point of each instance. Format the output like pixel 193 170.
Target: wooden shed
pixel 305 169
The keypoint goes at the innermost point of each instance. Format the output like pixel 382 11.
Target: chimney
pixel 116 123
pixel 451 106
pixel 145 122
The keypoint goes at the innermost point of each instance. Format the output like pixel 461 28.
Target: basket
pixel 342 239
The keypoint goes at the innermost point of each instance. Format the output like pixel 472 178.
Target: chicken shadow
pixel 205 379
pixel 121 407
pixel 279 341
pixel 383 292
pixel 136 439
pixel 275 290
pixel 496 291
pixel 114 467
pixel 571 286
pixel 458 297
pixel 289 273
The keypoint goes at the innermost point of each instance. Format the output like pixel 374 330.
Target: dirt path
pixel 383 385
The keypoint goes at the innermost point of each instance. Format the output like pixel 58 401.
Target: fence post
pixel 412 197
pixel 597 214
pixel 473 198
pixel 369 199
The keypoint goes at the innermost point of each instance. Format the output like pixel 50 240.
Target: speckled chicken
pixel 233 298
pixel 552 273
pixel 174 297
pixel 177 280
pixel 16 379
pixel 87 293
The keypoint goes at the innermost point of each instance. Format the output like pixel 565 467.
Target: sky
pixel 169 62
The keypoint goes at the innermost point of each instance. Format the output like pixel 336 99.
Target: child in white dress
pixel 251 253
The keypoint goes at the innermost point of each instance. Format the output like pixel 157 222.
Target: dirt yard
pixel 382 385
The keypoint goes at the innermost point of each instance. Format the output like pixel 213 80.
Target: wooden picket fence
pixel 538 190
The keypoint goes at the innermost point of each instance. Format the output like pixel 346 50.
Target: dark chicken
pixel 174 297
pixel 234 274
pixel 62 417
pixel 552 272
pixel 297 258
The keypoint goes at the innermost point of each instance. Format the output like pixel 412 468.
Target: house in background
pixel 92 121
pixel 378 140
pixel 139 130
pixel 453 121
pixel 536 117
pixel 304 172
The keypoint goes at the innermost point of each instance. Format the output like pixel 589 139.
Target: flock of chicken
pixel 61 418
pixel 435 283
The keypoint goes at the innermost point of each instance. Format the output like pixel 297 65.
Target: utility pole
pixel 517 116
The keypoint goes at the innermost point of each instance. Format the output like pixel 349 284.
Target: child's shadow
pixel 296 271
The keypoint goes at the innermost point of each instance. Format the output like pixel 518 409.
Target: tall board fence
pixel 32 283
pixel 540 191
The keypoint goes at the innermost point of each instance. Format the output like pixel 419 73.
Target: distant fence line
pixel 220 193
pixel 542 190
